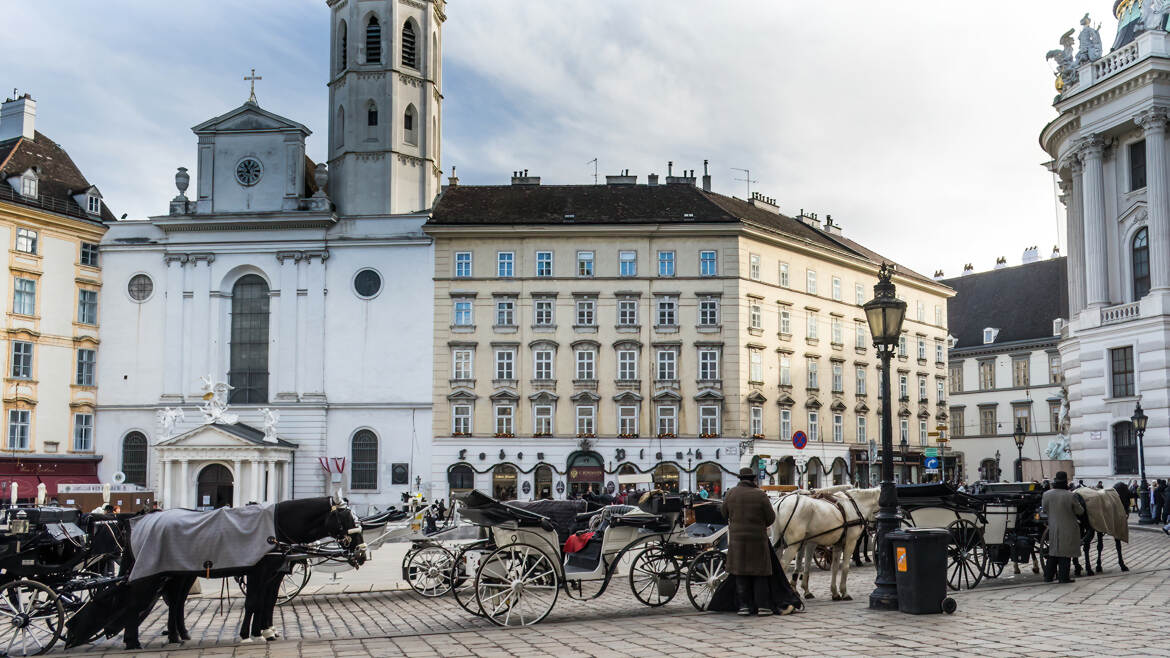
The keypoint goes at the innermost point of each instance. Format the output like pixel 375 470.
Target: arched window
pixel 504 482
pixel 409 49
pixel 342 47
pixel 1141 264
pixel 339 128
pixel 1125 449
pixel 814 473
pixel 363 470
pixel 461 479
pixel 373 41
pixel 988 470
pixel 134 458
pixel 544 482
pixel 666 477
pixel 371 114
pixel 409 125
pixel 249 346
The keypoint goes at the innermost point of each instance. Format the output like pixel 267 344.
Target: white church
pixel 269 336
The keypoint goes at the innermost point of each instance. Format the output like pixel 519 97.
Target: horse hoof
pixel 1124 568
pixel 184 636
pixel 846 598
pixel 133 647
pixel 836 597
pixel 809 596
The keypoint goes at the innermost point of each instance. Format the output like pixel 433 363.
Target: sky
pixel 914 123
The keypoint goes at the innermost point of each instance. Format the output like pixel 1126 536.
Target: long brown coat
pixel 749 513
pixel 1064 532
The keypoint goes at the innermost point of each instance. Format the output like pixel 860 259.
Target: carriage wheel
pixel 294 581
pixel 428 570
pixel 463 579
pixel 966 555
pixel 704 575
pixel 823 557
pixel 31 618
pixel 654 577
pixel 992 569
pixel 516 585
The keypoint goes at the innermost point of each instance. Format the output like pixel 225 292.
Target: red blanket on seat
pixel 578 541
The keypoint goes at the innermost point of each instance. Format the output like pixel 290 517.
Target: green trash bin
pixel 920 568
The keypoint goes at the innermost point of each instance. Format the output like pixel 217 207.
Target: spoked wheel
pixel 463 577
pixel 705 574
pixel 294 581
pixel 993 569
pixel 31 618
pixel 654 577
pixel 823 557
pixel 516 585
pixel 428 570
pixel 966 555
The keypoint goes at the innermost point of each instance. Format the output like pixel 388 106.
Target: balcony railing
pixel 1120 313
pixel 1115 61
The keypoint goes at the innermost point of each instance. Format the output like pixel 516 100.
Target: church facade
pixel 299 292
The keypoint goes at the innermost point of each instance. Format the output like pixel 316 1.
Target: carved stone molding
pixel 1092 146
pixel 410 80
pixel 174 258
pixel 296 256
pixel 1153 120
pixel 412 3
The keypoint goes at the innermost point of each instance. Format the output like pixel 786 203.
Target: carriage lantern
pixel 1019 436
pixel 885 313
pixel 1139 420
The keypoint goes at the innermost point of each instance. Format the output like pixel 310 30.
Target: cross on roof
pixel 252 79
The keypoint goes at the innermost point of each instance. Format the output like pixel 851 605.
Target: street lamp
pixel 1019 436
pixel 996 476
pixel 885 313
pixel 1139 420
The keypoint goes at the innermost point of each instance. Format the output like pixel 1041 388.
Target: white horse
pixel 836 520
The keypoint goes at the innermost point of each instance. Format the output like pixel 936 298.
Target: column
pixel 184 485
pixel 237 483
pixel 1153 122
pixel 256 475
pixel 199 338
pixel 314 384
pixel 173 326
pixel 286 326
pixel 270 484
pixel 1096 259
pixel 1076 238
pixel 287 494
pixel 161 496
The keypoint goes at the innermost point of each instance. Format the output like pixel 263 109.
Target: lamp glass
pixel 1019 436
pixel 1139 419
pixel 885 318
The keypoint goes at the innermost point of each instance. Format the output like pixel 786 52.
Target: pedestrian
pixel 749 513
pixel 442 510
pixel 1100 485
pixel 1166 504
pixel 1159 501
pixel 703 492
pixel 1064 531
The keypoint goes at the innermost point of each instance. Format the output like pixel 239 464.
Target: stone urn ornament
pixel 321 178
pixel 182 181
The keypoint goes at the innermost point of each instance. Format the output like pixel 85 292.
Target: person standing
pixel 1159 501
pixel 749 513
pixel 1064 531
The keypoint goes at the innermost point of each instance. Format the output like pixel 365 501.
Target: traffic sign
pixel 931 452
pixel 932 434
pixel 801 460
pixel 931 463
pixel 799 440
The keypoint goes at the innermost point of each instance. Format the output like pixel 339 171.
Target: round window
pixel 367 283
pixel 248 171
pixel 140 287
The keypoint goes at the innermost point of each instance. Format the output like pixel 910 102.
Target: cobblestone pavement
pixel 1116 614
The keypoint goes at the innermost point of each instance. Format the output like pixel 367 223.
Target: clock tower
pixel 385 105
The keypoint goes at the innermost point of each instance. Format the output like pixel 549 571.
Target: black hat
pixel 747 473
pixel 1061 476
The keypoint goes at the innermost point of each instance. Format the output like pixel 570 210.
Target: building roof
pixel 597 205
pixel 58 177
pixel 251 434
pixel 1021 302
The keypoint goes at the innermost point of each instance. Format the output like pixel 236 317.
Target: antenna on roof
pixel 747 178
pixel 594 163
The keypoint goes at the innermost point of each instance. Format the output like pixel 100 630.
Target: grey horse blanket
pixel 1105 511
pixel 180 540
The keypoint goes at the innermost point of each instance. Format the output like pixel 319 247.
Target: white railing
pixel 1114 62
pixel 1120 313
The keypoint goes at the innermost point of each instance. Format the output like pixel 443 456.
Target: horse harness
pixel 846 522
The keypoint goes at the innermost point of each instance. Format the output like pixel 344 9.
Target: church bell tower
pixel 385 105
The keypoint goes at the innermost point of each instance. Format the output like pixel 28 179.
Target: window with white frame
pixel 861 336
pixel 542 364
pixel 838 331
pixel 836 288
pixel 813 380
pixel 861 436
pixel 922 432
pixel 814 426
pixel 586 364
pixel 756 416
pixel 785 320
pixel 1054 372
pixel 87 303
pixel 627 263
pixel 667 420
pixel 666 263
pixel 838 428
pixel 938 390
pixel 921 387
pixel 938 352
pixel 89 254
pixel 938 315
pixel 463 313
pixel 756 365
pixel 838 377
pixel 707 264
pixel 461 419
pixel 505 264
pixel 505 364
pixel 627 312
pixel 755 316
pixel 708 364
pixel 86 367
pixel 708 311
pixel 921 308
pixel 505 419
pixel 921 349
pixel 505 312
pixel 859 294
pixel 785 423
pixel 810 283
pixel 462 264
pixel 754 266
pixel 585 263
pixel 903 387
pixel 627 420
pixel 627 365
pixel 83 432
pixel 667 365
pixel 586 312
pixel 544 263
pixel 860 380
pixel 667 311
pixel 22 360
pixel 785 282
pixel 785 370
pixel 902 350
pixel 28 186
pixel 708 421
pixel 463 363
pixel 18 424
pixel 542 415
pixel 26 240
pixel 811 326
pixel 542 312
pixel 904 428
pixel 24 298
pixel 586 420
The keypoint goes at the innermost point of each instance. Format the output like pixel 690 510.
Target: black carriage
pixel 1025 527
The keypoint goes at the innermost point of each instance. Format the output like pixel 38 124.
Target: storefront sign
pixel 609 487
pixel 526 487
pixel 560 487
pixel 585 474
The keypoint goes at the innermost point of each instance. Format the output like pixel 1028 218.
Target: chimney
pixel 706 178
pixel 18 118
pixel 830 227
pixel 1000 262
pixel 452 180
pixel 652 180
pixel 688 178
pixel 623 178
pixel 968 269
pixel 764 203
pixel 1031 255
pixel 522 178
pixel 809 218
pixel 1055 251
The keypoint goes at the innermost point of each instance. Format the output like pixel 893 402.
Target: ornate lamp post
pixel 1139 420
pixel 1019 436
pixel 885 313
pixel 904 452
pixel 995 477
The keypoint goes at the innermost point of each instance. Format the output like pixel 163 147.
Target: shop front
pixel 585 473
pixel 666 478
pixel 26 472
pixel 709 478
pixel 504 482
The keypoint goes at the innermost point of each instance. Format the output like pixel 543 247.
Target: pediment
pixel 785 400
pixel 544 397
pixel 627 397
pixel 756 397
pixel 249 118
pixel 837 406
pixel 1135 213
pixel 709 394
pixel 585 396
pixel 812 403
pixel 667 394
pixel 861 408
pixel 207 436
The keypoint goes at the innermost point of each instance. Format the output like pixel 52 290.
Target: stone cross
pixel 252 80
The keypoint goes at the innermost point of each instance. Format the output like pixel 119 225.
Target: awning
pixel 26 485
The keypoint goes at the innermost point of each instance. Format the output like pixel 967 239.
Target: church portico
pixel 187 466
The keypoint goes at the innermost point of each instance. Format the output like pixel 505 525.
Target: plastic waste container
pixel 920 568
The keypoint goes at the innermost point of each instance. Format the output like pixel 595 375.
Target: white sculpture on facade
pixel 1066 61
pixel 215 402
pixel 167 419
pixel 1058 447
pixel 271 418
pixel 1090 38
pixel 1153 15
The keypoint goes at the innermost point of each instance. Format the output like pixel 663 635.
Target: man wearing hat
pixel 749 513
pixel 1064 531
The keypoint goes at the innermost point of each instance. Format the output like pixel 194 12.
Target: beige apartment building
pixel 602 337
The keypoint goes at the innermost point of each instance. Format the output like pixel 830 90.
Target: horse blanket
pixel 180 540
pixel 1105 512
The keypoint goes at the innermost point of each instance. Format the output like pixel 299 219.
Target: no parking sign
pixel 799 440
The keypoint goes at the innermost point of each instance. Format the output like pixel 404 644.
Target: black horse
pixel 1087 532
pixel 297 523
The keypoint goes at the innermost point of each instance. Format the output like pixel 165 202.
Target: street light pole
pixel 885 313
pixel 1139 420
pixel 1019 436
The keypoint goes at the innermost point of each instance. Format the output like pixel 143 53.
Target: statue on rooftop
pixel 1066 62
pixel 1153 15
pixel 1090 38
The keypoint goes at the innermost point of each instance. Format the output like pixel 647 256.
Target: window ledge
pixel 666 328
pixel 544 328
pixel 23 380
pixel 703 328
pixel 628 328
pixel 505 328
pixel 666 383
pixel 585 383
pixel 837 346
pixel 469 383
pixel 709 383
pixel 756 331
pixel 463 328
pixel 783 336
pixel 812 341
pixel 24 316
pixel 625 384
pixel 510 383
pixel 585 328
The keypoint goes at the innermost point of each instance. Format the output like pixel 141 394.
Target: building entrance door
pixel 215 487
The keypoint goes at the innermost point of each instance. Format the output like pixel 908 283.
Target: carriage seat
pixel 561 514
pixel 641 520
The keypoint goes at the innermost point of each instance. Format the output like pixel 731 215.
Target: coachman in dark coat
pixel 759 581
pixel 1064 530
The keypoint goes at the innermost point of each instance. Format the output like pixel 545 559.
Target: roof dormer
pixel 89 200
pixel 26 183
pixel 989 335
